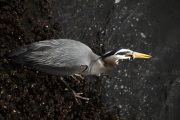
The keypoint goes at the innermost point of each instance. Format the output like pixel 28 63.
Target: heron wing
pixel 58 57
pixel 62 70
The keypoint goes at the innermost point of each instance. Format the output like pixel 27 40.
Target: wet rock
pixel 138 89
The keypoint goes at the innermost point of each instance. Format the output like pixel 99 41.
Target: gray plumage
pixel 58 57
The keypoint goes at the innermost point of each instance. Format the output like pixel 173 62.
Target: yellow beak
pixel 140 55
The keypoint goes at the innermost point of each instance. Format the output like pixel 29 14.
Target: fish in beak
pixel 137 55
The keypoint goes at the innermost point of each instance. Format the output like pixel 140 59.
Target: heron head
pixel 119 54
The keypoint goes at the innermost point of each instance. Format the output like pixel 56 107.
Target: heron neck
pixel 99 66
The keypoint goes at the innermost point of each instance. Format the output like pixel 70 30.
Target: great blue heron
pixel 69 57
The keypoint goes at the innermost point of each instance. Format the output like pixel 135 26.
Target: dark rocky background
pixel 135 90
